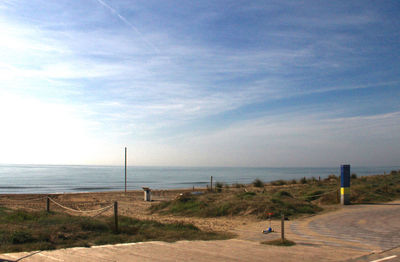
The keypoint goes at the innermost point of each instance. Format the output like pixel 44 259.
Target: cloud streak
pixel 123 19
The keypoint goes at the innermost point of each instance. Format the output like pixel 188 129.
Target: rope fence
pixel 311 196
pixel 98 211
pixel 101 210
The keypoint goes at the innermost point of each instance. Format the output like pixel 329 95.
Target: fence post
pixel 116 216
pixel 283 228
pixel 48 205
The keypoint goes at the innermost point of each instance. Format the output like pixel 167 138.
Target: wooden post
pixel 48 205
pixel 125 169
pixel 283 228
pixel 211 184
pixel 116 216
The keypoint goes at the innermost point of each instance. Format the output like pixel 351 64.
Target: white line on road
pixel 383 259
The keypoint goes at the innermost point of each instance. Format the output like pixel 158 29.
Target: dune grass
pixel 24 231
pixel 229 203
pixel 375 189
pixel 292 197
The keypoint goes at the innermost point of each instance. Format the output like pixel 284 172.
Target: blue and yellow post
pixel 345 184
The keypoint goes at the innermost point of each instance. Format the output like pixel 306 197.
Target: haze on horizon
pixel 203 83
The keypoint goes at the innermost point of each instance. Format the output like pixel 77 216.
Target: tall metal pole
pixel 125 169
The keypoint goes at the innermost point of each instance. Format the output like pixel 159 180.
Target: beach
pixel 130 204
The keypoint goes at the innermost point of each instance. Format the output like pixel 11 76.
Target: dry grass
pixel 292 198
pixel 24 231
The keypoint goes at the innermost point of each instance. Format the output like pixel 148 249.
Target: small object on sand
pixel 269 230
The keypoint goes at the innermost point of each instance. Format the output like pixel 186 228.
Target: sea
pixel 23 179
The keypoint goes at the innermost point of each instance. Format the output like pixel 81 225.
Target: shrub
pixel 279 182
pixel 219 186
pixel 283 194
pixel 354 176
pixel 258 183
pixel 333 177
pixel 237 185
pixel 93 225
pixel 246 195
pixel 20 216
pixel 314 195
pixel 303 180
pixel 21 237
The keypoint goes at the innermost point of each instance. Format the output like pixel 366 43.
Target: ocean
pixel 23 179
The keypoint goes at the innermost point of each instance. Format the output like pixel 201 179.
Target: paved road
pixel 392 255
pixel 365 227
pixel 359 232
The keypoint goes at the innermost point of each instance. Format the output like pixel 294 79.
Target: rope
pixel 108 208
pixel 80 211
pixel 326 193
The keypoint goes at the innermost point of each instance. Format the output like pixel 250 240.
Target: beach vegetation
pixel 303 180
pixel 290 199
pixel 332 177
pixel 283 193
pixel 258 183
pixel 237 185
pixel 27 230
pixel 279 182
pixel 219 186
pixel 237 203
pixel 313 195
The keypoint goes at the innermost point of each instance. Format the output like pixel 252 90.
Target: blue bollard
pixel 345 184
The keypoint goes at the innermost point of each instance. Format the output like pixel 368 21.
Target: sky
pixel 200 83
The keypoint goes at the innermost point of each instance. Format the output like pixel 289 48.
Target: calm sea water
pixel 57 178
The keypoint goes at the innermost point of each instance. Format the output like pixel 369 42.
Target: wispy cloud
pixel 199 69
pixel 123 19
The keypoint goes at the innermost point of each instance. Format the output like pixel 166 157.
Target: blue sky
pixel 200 83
